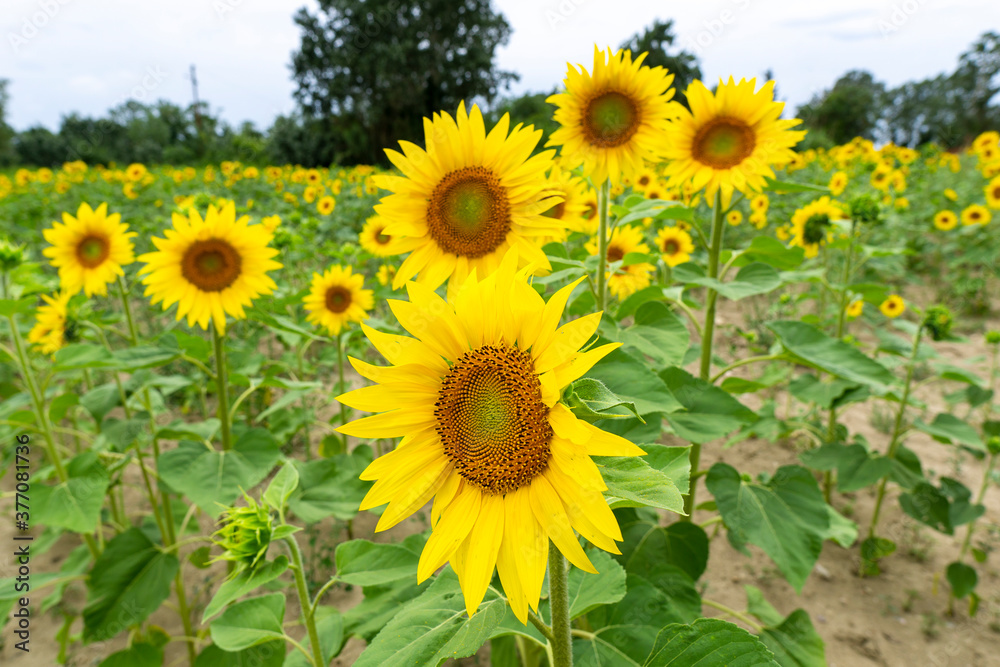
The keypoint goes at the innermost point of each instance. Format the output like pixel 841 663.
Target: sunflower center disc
pixel 723 143
pixel 491 419
pixel 92 251
pixel 670 247
pixel 556 211
pixel 338 299
pixel 814 230
pixel 211 265
pixel 615 253
pixel 382 238
pixel 610 120
pixel 469 214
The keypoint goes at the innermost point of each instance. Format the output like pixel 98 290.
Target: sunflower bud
pixel 993 337
pixel 865 209
pixel 938 321
pixel 245 533
pixel 11 256
pixel 993 445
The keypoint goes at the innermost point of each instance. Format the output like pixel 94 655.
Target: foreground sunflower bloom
pixel 466 198
pixel 475 396
pixel 90 249
pixel 728 141
pixel 336 298
pixel 210 267
pixel 613 118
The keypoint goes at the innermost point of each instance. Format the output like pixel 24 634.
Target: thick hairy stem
pixel 562 641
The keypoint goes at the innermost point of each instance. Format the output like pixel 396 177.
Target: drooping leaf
pixel 245 582
pixel 587 591
pixel 365 563
pixel 632 482
pixel 76 503
pixel 708 642
pixel 250 622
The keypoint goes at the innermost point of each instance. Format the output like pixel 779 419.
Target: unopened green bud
pixel 245 533
pixel 993 337
pixel 11 255
pixel 993 445
pixel 938 321
pixel 865 209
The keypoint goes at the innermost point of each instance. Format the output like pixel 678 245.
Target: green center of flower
pixel 382 238
pixel 814 231
pixel 670 247
pixel 92 251
pixel 211 265
pixel 556 211
pixel 610 120
pixel 338 299
pixel 491 419
pixel 469 213
pixel 723 143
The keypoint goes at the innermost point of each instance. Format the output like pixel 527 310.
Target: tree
pixel 851 108
pixel 657 40
pixel 530 109
pixel 378 67
pixel 7 156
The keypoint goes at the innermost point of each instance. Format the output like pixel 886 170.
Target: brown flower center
pixel 670 247
pixel 338 299
pixel 491 419
pixel 556 211
pixel 723 143
pixel 610 120
pixel 92 251
pixel 211 265
pixel 468 213
pixel 615 253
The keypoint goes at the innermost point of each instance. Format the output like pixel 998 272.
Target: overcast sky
pixel 90 55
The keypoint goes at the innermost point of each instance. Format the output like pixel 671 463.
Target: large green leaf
pixel 632 482
pixel 137 655
pixel 434 627
pixel 250 622
pixel 786 517
pixel 708 642
pixel 657 333
pixel 587 591
pixel 856 467
pixel 710 413
pixel 268 654
pixel 951 430
pixel 816 349
pixel 648 545
pixel 76 503
pixel 793 639
pixel 633 381
pixel 365 563
pixel 281 487
pixel 944 508
pixel 212 478
pixel 773 252
pixel 130 579
pixel 330 487
pixel 246 581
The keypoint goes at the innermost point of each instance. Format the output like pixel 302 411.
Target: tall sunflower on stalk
pixel 629 279
pixel 613 118
pixel 90 249
pixel 466 198
pixel 729 141
pixel 475 395
pixel 811 224
pixel 211 267
pixel 337 297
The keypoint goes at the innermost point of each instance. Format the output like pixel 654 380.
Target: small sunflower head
pixel 865 209
pixel 815 229
pixel 11 255
pixel 245 533
pixel 993 445
pixel 938 321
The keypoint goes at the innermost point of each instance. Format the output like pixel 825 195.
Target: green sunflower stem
pixel 562 644
pixel 897 429
pixel 707 338
pixel 222 385
pixel 604 200
pixel 967 542
pixel 308 615
pixel 38 401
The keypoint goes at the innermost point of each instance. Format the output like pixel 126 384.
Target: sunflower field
pixel 657 390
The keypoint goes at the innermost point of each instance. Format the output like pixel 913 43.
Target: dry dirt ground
pixel 895 620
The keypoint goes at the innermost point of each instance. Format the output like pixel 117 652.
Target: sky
pixel 90 55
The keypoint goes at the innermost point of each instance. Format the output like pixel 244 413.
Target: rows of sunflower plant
pixel 497 348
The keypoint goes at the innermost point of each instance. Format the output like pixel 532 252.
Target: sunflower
pixel 855 308
pixel 468 198
pixel 50 332
pixel 675 245
pixel 950 194
pixel 374 239
pixel 644 179
pixel 760 204
pixel 975 214
pixel 728 141
pixel 575 211
pixel 945 220
pixel 210 267
pixel 136 172
pixel 838 182
pixel 326 204
pixel 475 396
pixel 336 298
pixel 758 220
pixel 811 224
pixel 385 274
pixel 90 249
pixel 627 280
pixel 613 119
pixel 986 140
pixel 734 217
pixel 893 306
pixel 992 190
